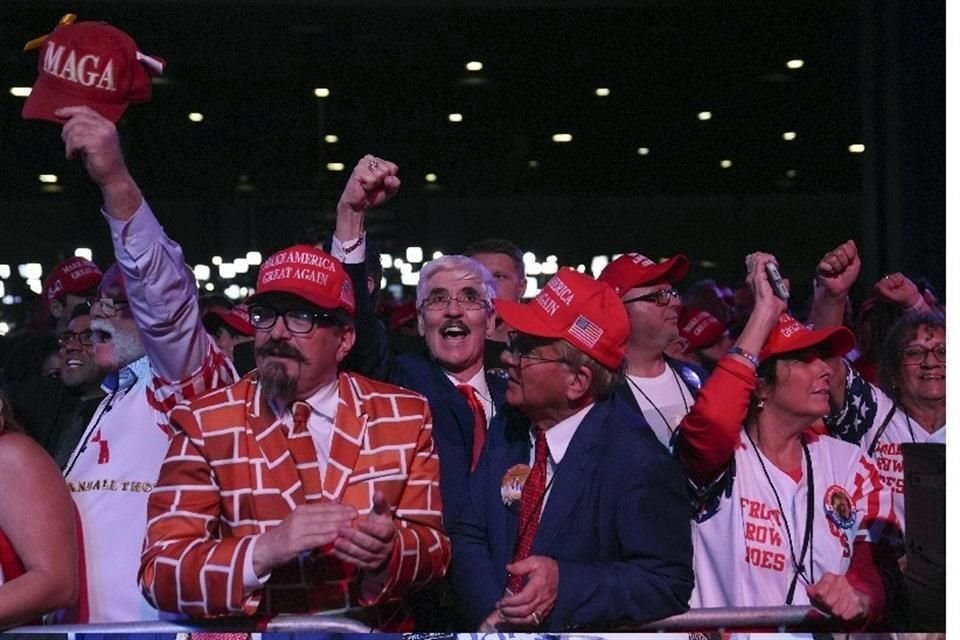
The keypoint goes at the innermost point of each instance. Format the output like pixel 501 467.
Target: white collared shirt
pixel 559 437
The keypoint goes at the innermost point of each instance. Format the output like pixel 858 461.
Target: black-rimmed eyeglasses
pixel 83 337
pixel 519 346
pixel 662 297
pixel 298 321
pixel 106 307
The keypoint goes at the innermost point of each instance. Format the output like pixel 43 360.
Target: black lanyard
pixel 798 569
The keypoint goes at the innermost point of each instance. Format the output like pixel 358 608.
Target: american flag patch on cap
pixel 586 331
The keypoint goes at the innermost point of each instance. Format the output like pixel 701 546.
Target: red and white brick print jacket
pixel 233 471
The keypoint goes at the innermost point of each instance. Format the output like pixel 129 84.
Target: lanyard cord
pixel 683 398
pixel 90 431
pixel 798 569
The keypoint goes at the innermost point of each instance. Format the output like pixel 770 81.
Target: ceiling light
pixel 410 279
pixel 474 66
pixel 254 257
pixel 789 135
pixel 334 166
pixel 562 137
pixel 321 92
pixel 603 92
pixel 4 271
pixel 20 92
pixel 35 285
pixel 794 64
pixel 856 148
pixel 704 115
pixel 791 173
pixel 529 257
pixel 726 164
pixel 201 272
pixel 437 254
pixel 30 270
pixel 331 139
pixel 47 178
pixel 430 177
pixel 386 261
pixel 83 252
pixel 195 117
pixel 227 270
pixel 241 265
pixel 415 255
pixel 216 260
pixel 533 164
pixel 643 151
pixel 455 117
pixel 209 286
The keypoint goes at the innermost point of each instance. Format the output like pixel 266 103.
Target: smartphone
pixel 776 282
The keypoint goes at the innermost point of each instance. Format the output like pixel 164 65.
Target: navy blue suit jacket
pixel 617 521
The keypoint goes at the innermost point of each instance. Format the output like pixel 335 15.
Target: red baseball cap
pixel 307 272
pixel 791 335
pixel 699 329
pixel 77 276
pixel 635 270
pixel 584 312
pixel 91 64
pixel 237 319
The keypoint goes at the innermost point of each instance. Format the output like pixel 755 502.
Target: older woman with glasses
pixel 908 405
pixel 786 516
pixel 38 549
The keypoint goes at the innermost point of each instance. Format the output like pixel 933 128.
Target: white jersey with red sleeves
pixel 741 544
pixel 871 419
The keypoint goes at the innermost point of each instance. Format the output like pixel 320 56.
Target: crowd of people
pixel 610 452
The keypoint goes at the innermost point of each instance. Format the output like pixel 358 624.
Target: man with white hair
pixel 148 334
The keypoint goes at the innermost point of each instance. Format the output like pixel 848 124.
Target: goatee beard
pixel 276 384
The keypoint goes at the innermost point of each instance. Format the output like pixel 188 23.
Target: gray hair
pixel 468 268
pixel 604 379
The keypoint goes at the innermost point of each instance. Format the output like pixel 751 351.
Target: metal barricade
pixel 723 618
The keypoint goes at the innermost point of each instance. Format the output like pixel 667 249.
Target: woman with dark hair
pixel 38 548
pixel 909 404
pixel 785 515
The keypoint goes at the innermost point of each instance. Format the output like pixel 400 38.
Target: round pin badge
pixel 839 507
pixel 511 487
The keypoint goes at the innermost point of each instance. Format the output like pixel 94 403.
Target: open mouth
pixel 454 331
pixel 73 363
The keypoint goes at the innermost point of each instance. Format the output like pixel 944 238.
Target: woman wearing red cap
pixel 38 551
pixel 785 516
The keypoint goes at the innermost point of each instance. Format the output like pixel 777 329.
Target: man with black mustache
pixel 455 315
pixel 149 337
pixel 301 488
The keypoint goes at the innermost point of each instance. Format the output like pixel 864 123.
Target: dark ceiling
pixel 873 73
pixel 396 71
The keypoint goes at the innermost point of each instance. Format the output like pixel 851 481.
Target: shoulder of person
pixel 368 389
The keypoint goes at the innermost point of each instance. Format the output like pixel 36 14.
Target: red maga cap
pixel 577 308
pixel 791 335
pixel 237 319
pixel 91 64
pixel 699 329
pixel 77 276
pixel 635 270
pixel 307 272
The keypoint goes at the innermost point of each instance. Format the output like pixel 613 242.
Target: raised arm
pixel 711 430
pixel 160 288
pixel 836 274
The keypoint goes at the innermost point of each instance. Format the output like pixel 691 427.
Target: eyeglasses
pixel 106 307
pixel 918 354
pixel 83 337
pixel 298 321
pixel 519 347
pixel 468 301
pixel 662 297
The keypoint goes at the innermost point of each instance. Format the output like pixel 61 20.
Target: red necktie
pixel 531 499
pixel 479 422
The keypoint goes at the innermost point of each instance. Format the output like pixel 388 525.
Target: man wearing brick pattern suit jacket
pixel 298 489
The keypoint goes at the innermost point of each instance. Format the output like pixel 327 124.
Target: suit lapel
pixel 349 430
pixel 571 477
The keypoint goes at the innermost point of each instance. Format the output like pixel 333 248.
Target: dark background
pixel 252 174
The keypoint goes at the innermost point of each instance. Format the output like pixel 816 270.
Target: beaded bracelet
pixel 754 360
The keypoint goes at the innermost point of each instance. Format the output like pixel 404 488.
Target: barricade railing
pixel 722 618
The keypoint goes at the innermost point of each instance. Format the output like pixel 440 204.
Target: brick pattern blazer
pixel 233 471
